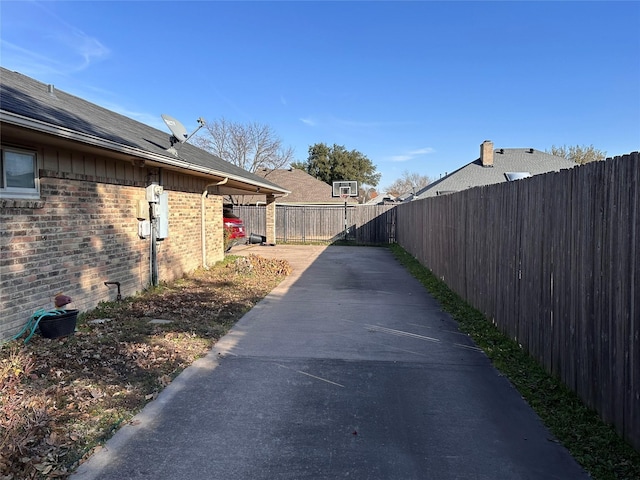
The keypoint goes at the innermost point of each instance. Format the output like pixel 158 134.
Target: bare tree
pixel 409 182
pixel 249 146
pixel 579 153
pixel 366 194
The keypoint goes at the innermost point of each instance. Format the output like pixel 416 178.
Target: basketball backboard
pixel 345 188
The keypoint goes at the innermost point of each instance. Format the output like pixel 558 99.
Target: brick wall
pixel 271 220
pixel 83 233
pixel 181 252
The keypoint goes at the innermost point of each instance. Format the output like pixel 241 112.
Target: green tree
pixel 299 165
pixel 580 154
pixel 335 163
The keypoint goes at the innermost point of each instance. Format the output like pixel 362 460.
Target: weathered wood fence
pixel 554 261
pixel 365 224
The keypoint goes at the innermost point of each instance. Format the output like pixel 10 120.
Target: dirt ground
pixel 60 399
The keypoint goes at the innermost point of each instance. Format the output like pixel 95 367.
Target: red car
pixel 233 224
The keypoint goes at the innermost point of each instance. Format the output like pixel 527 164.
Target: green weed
pixel 594 444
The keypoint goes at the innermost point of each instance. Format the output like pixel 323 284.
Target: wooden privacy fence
pixel 554 261
pixel 366 224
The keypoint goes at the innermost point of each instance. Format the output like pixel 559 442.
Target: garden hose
pixel 34 321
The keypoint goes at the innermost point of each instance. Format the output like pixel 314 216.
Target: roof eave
pixel 72 135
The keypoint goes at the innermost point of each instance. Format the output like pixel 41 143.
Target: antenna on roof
pixel 178 132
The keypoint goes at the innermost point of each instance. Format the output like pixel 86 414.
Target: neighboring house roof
pixel 29 104
pixel 406 197
pixel 305 189
pixel 505 161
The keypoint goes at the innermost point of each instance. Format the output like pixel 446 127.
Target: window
pixel 19 173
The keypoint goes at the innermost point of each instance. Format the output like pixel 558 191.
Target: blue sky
pixel 415 86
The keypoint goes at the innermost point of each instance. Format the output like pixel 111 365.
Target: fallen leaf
pixel 52 439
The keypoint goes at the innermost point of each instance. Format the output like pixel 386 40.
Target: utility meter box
pixel 163 216
pixel 144 229
pixel 153 193
pixel 155 211
pixel 142 210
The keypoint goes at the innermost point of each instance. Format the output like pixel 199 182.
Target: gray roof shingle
pixel 29 98
pixel 505 161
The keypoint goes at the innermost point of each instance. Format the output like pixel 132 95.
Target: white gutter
pixel 203 217
pixel 62 132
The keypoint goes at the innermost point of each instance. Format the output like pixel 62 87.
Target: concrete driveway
pixel 348 369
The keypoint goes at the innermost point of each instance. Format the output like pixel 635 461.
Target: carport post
pixel 271 220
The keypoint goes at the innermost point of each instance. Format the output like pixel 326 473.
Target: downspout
pixel 154 240
pixel 205 192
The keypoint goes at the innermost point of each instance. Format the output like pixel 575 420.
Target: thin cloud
pixel 86 47
pixel 51 45
pixel 400 158
pixel 27 61
pixel 309 121
pixel 410 155
pixel 422 151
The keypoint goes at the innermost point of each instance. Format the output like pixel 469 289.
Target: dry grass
pixel 60 399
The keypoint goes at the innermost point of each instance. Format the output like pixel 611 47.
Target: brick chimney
pixel 486 153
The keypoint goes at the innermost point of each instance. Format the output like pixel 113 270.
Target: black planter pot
pixel 54 326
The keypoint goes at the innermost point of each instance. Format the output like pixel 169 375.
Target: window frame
pixel 18 192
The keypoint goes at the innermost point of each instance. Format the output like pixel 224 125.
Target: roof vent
pixel 531 150
pixel 50 89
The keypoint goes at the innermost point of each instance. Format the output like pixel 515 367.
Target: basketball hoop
pixel 345 189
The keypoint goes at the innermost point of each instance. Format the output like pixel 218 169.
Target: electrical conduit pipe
pixel 205 193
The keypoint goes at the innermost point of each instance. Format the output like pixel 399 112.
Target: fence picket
pixel 553 261
pixel 367 224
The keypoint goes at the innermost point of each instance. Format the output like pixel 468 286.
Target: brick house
pixel 74 206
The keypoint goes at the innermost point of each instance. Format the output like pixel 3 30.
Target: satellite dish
pixel 178 132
